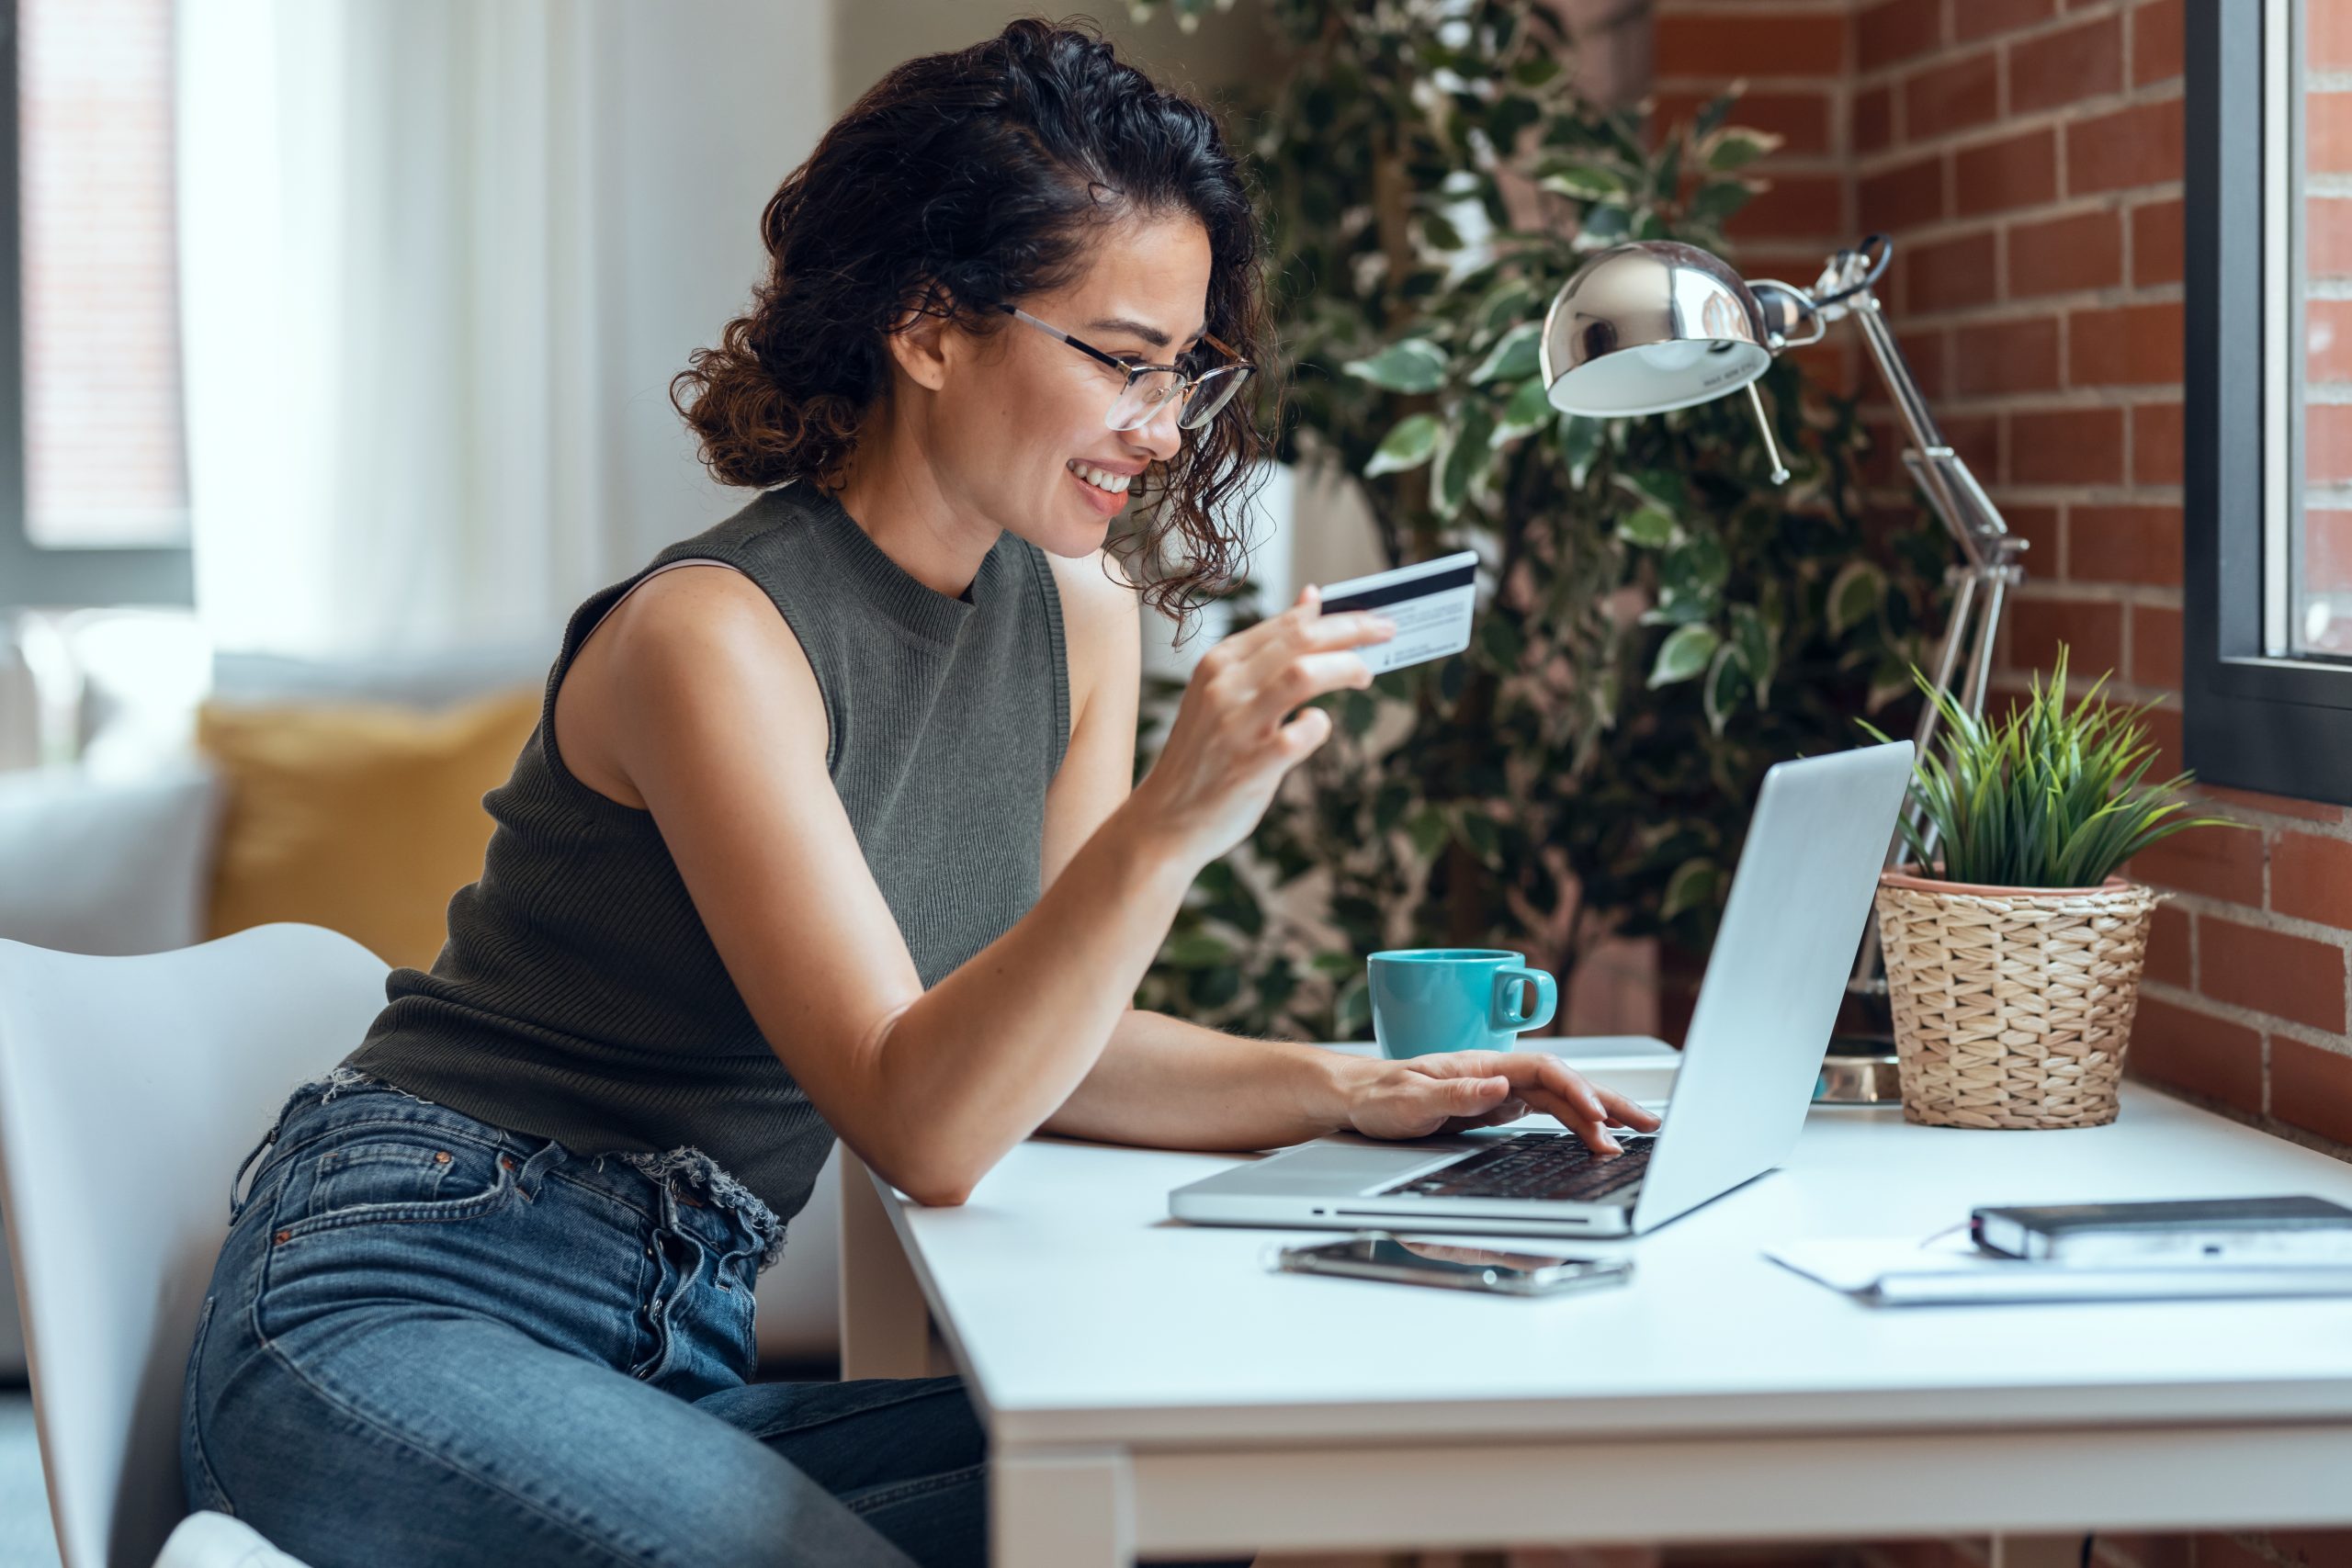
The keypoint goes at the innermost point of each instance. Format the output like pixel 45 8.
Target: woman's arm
pixel 1165 1083
pixel 720 727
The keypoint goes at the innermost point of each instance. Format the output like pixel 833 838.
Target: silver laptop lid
pixel 1777 974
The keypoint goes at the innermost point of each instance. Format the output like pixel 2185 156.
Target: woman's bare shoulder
pixel 704 635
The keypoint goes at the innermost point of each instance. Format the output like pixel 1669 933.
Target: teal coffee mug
pixel 1426 999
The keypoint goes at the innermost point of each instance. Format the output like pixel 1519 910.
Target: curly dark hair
pixel 960 183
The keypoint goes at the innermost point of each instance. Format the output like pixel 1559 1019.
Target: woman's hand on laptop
pixel 1423 1096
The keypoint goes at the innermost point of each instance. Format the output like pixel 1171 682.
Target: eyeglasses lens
pixel 1149 392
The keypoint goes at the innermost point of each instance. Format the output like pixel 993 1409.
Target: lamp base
pixel 1859 1069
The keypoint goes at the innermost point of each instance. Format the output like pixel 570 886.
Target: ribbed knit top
pixel 578 997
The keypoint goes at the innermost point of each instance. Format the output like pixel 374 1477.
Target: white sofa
pixel 111 853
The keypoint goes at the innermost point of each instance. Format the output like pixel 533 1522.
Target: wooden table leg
pixel 1062 1509
pixel 885 1327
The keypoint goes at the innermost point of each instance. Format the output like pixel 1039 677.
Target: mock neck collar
pixel 905 602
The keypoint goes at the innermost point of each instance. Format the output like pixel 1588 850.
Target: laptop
pixel 1766 1009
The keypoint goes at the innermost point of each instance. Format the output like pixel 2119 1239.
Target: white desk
pixel 1150 1388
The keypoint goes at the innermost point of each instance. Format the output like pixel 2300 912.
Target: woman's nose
pixel 1160 434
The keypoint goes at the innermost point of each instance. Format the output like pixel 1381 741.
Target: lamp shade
pixel 1650 326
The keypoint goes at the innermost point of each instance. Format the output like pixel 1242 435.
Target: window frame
pixel 46 575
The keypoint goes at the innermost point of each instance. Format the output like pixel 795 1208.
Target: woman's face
pixel 1018 429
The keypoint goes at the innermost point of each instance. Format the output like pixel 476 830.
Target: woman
pixel 826 831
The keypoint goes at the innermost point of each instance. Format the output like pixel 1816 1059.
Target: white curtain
pixel 439 259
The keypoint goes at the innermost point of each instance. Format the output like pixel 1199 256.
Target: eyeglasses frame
pixel 1237 366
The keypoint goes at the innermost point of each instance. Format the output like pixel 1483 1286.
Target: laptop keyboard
pixel 1554 1166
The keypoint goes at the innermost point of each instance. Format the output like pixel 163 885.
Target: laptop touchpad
pixel 1330 1169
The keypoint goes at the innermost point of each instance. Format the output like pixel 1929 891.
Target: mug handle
pixel 1507 1015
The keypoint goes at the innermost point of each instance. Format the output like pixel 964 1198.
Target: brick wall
pixel 2026 155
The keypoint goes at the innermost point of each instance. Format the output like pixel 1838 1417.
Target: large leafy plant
pixel 2044 794
pixel 1659 622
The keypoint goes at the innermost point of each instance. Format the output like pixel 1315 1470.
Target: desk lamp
pixel 1654 325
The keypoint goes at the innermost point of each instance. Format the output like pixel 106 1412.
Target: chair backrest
pixel 129 1088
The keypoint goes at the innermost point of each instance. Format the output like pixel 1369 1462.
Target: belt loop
pixel 534 1172
pixel 237 1204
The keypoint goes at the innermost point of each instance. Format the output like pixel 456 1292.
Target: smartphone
pixel 1376 1255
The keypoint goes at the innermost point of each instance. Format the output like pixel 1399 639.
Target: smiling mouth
pixel 1102 479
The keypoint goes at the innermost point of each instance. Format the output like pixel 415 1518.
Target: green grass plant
pixel 2046 795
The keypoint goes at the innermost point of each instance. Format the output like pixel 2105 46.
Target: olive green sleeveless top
pixel 578 997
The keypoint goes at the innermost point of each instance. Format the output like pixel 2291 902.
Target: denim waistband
pixel 705 1184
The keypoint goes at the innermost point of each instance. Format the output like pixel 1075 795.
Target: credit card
pixel 1430 603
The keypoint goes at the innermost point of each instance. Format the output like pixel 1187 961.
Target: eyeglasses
pixel 1150 388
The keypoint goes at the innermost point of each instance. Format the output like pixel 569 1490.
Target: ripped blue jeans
pixel 431 1340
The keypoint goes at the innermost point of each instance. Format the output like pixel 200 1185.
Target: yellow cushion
pixel 361 817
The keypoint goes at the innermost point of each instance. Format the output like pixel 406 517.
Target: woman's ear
pixel 918 342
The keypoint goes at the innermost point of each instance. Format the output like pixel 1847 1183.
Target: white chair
pixel 129 1088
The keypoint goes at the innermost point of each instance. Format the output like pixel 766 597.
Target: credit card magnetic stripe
pixel 1462 576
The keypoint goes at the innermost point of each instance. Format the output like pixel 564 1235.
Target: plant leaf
pixel 1855 594
pixel 1647 526
pixel 1725 683
pixel 1513 357
pixel 1409 365
pixel 1466 455
pixel 1408 445
pixel 1683 654
pixel 1692 884
pixel 1737 146
pixel 1528 410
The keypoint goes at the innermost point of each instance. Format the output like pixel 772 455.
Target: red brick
pixel 2063 446
pixel 2310 878
pixel 2272 972
pixel 2311 1089
pixel 2083 61
pixel 2156 43
pixel 2327 442
pixel 1903 197
pixel 2162 726
pixel 2091 630
pixel 2327 132
pixel 2001 176
pixel 1874 120
pixel 2328 340
pixel 2193 1051
pixel 2135 146
pixel 2328 236
pixel 2328 550
pixel 1894 30
pixel 2238 802
pixel 2129 1550
pixel 1805 206
pixel 1766 43
pixel 2155 646
pixel 2064 255
pixel 2155 243
pixel 1950 273
pixel 1952 96
pixel 2155 443
pixel 2124 544
pixel 1800 119
pixel 1928 350
pixel 2135 345
pixel 2327 38
pixel 2220 862
pixel 2044 538
pixel 1982 18
pixel 1977 439
pixel 2313 1548
pixel 2007 356
pixel 2168 953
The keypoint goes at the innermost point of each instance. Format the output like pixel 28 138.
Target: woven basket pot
pixel 2012 1005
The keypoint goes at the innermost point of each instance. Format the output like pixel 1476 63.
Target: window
pixel 93 472
pixel 2267 408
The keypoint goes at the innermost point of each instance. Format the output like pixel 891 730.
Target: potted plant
pixel 2013 950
